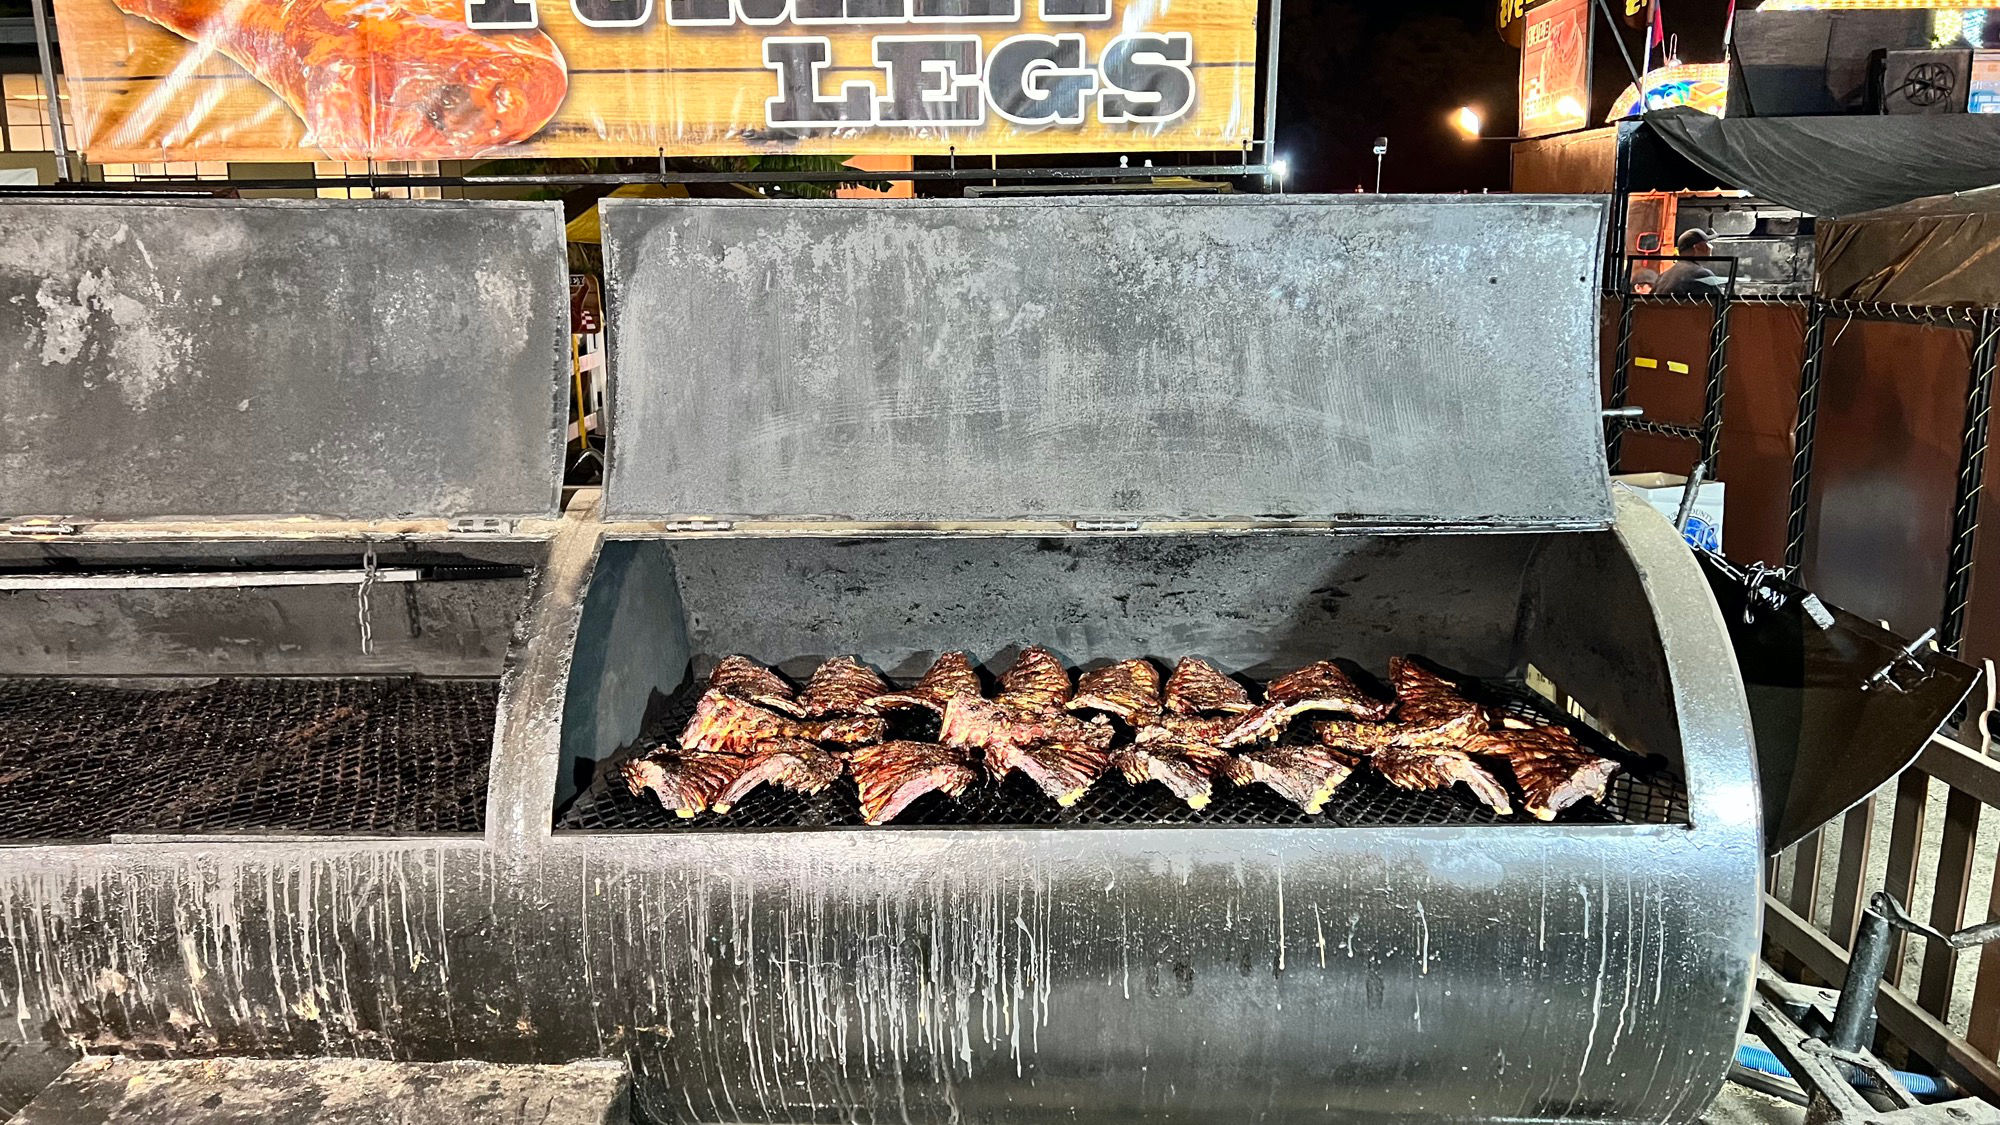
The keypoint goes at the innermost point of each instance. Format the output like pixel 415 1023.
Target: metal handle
pixel 1626 412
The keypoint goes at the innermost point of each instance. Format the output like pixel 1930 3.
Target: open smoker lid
pixel 1370 361
pixel 212 359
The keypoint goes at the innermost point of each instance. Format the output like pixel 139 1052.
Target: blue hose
pixel 1758 1059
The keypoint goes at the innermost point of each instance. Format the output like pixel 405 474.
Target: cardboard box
pixel 1664 491
pixel 1985 93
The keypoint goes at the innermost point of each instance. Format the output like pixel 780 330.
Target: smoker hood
pixel 1321 360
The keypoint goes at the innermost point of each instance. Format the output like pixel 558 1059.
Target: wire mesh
pixel 1644 793
pixel 87 761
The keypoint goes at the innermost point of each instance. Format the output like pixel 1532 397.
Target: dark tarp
pixel 1838 165
pixel 1943 251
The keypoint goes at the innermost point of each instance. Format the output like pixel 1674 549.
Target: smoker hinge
pixel 1105 525
pixel 40 527
pixel 480 525
pixel 699 525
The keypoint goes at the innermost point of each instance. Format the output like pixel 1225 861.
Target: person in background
pixel 1645 281
pixel 1685 278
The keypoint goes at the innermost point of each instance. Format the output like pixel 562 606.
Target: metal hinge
pixel 1105 525
pixel 42 526
pixel 699 525
pixel 480 525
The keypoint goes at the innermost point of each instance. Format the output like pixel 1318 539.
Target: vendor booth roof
pixel 1838 165
pixel 1939 251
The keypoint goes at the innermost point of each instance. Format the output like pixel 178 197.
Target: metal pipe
pixel 1867 962
pixel 1271 83
pixel 57 139
pixel 204 581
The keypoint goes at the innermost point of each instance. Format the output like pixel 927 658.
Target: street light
pixel 1469 125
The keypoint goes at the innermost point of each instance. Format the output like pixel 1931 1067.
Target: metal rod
pixel 1804 430
pixel 58 139
pixel 1271 83
pixel 1854 1016
pixel 1611 21
pixel 1971 481
pixel 203 581
pixel 1689 494
pixel 209 187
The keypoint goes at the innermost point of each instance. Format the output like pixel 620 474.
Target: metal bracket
pixel 1105 525
pixel 480 525
pixel 700 525
pixel 1887 673
pixel 41 526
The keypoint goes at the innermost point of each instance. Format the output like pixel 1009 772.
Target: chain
pixel 368 569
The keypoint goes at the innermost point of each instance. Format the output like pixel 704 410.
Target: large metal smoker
pixel 1260 430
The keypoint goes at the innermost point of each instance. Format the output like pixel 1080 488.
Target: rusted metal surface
pixel 100 1090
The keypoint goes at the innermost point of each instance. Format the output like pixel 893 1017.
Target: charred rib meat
pixel 950 677
pixel 789 763
pixel 1316 687
pixel 684 781
pixel 1199 688
pixel 1304 775
pixel 725 724
pixel 1432 706
pixel 1182 759
pixel 891 775
pixel 1027 729
pixel 1036 681
pixel 841 686
pixel 1422 768
pixel 1129 690
pixel 1553 770
pixel 750 681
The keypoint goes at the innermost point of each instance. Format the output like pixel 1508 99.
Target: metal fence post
pixel 1803 432
pixel 1718 370
pixel 1971 472
pixel 1621 383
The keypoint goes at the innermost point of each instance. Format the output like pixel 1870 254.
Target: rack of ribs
pixel 1553 770
pixel 1426 748
pixel 789 763
pixel 387 81
pixel 1316 687
pixel 891 775
pixel 949 677
pixel 1173 741
pixel 1304 775
pixel 685 781
pixel 1027 727
pixel 842 686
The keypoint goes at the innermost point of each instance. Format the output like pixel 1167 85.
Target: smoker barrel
pixel 1383 416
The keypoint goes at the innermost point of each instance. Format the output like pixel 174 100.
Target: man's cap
pixel 1690 239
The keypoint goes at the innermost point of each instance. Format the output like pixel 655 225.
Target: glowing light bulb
pixel 1569 106
pixel 1468 122
pixel 1280 168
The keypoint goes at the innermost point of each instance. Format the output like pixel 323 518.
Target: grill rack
pixel 83 761
pixel 1643 793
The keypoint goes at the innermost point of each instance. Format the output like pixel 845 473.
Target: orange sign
pixel 161 80
pixel 1555 68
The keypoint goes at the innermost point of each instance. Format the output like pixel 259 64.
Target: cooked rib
pixel 1316 687
pixel 1553 770
pixel 893 774
pixel 1432 706
pixel 1036 681
pixel 841 686
pixel 950 676
pixel 1304 775
pixel 1064 766
pixel 789 763
pixel 746 679
pixel 1355 737
pixel 1199 688
pixel 684 781
pixel 1185 765
pixel 723 723
pixel 1430 767
pixel 1129 689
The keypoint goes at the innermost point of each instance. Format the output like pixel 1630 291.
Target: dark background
pixel 1352 72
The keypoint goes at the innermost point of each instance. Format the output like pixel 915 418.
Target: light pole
pixel 1381 150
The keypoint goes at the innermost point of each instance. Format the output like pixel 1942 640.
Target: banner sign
pixel 1555 68
pixel 275 80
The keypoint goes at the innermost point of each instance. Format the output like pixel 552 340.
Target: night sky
pixel 1399 68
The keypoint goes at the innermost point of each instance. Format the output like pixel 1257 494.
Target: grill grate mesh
pixel 1638 795
pixel 84 761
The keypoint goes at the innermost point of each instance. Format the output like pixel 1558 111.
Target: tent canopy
pixel 1939 251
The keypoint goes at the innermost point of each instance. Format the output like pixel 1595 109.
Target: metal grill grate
pixel 1639 795
pixel 80 761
